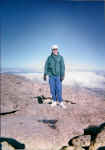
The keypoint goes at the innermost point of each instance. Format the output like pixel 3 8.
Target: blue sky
pixel 30 27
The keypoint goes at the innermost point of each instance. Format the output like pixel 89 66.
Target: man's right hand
pixel 44 78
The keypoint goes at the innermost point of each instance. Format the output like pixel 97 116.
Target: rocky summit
pixel 29 122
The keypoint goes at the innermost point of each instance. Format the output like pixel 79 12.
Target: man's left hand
pixel 61 79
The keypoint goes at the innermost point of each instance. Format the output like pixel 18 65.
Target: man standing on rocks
pixel 55 69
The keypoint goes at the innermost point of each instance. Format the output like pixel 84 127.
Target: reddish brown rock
pixel 83 109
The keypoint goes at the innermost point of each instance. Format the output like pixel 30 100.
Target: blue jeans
pixel 55 88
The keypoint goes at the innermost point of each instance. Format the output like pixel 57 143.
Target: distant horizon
pixel 21 69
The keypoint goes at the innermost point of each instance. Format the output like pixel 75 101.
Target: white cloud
pixel 75 78
pixel 84 67
pixel 85 79
pixel 33 76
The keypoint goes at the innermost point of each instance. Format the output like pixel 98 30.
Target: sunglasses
pixel 55 49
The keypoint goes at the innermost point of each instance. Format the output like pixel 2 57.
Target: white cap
pixel 54 47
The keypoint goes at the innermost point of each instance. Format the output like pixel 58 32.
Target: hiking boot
pixel 54 104
pixel 62 105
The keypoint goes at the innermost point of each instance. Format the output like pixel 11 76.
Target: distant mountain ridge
pixel 32 70
pixel 18 70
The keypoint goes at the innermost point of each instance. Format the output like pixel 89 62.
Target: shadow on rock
pixel 41 99
pixel 90 138
pixel 101 148
pixel 7 113
pixel 68 101
pixel 11 142
pixel 50 123
pixel 94 131
pixel 70 141
pixel 64 148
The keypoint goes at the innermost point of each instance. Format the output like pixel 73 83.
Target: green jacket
pixel 54 66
